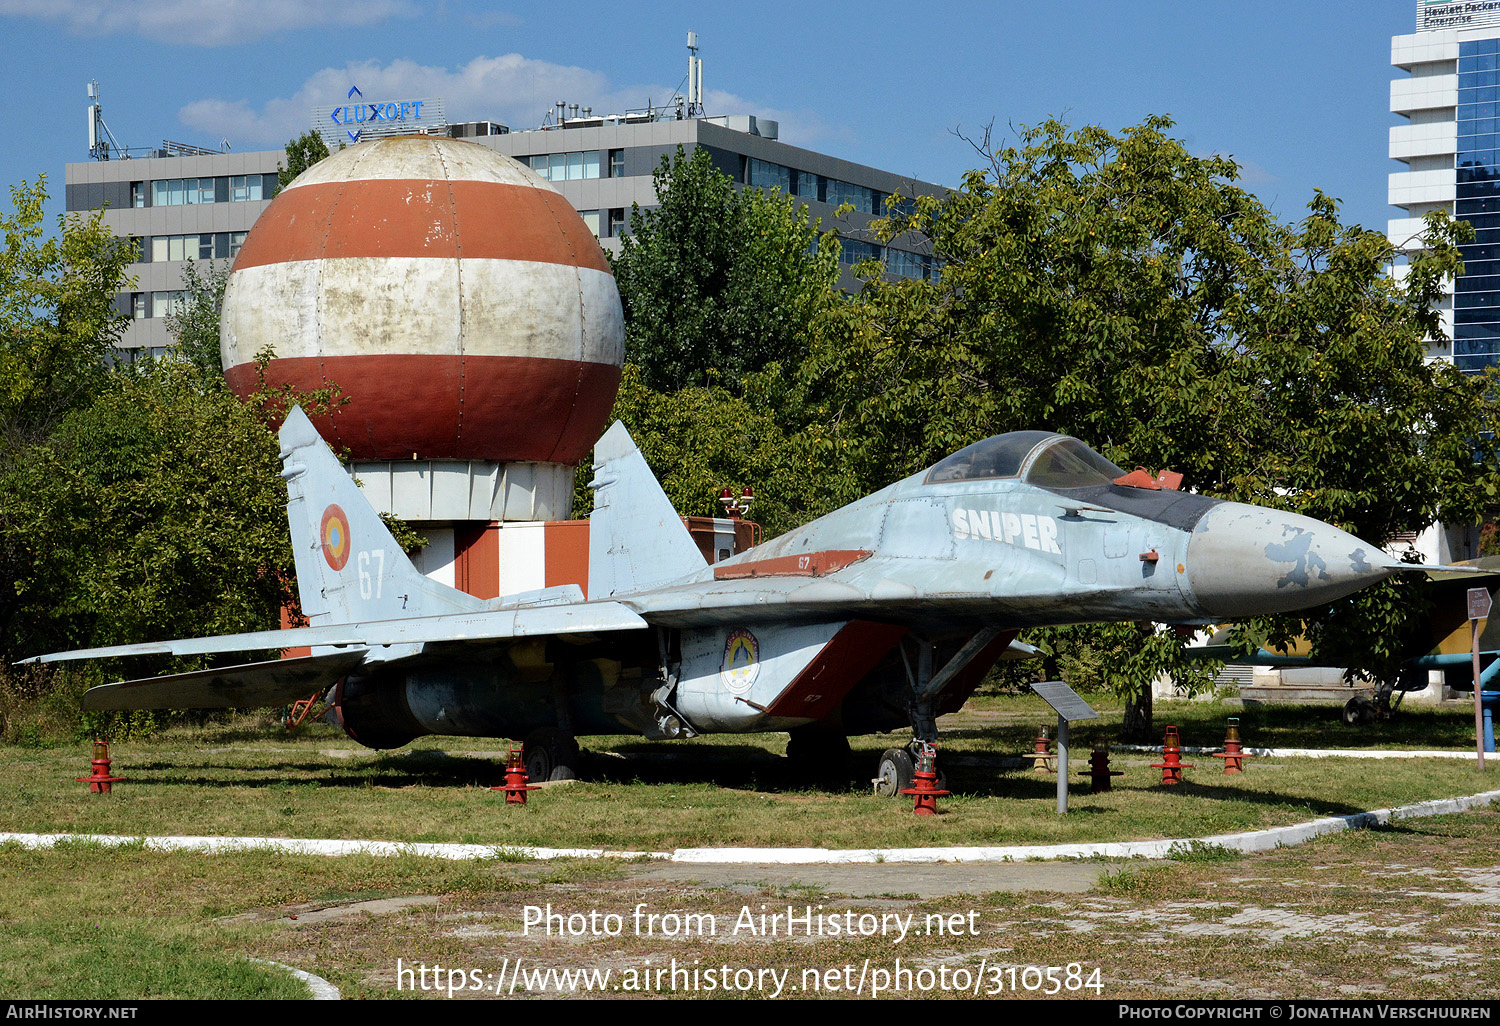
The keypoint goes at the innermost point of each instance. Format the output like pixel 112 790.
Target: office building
pixel 1450 144
pixel 183 203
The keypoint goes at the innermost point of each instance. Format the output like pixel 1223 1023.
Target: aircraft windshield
pixel 1068 463
pixel 1041 457
pixel 1000 456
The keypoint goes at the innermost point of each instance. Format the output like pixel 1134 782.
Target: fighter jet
pixel 884 614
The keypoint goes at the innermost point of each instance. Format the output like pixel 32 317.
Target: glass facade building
pixel 1476 299
pixel 1450 146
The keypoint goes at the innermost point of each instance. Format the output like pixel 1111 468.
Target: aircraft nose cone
pixel 1247 560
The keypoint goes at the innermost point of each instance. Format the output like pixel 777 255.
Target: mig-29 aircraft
pixel 882 614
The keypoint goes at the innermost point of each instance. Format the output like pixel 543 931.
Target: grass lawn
pixel 247 779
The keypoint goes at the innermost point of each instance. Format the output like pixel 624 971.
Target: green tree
pixel 154 512
pixel 194 321
pixel 59 322
pixel 1124 291
pixel 301 153
pixel 699 441
pixel 719 282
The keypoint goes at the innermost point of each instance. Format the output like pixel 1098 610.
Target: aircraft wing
pixel 251 686
pixel 488 625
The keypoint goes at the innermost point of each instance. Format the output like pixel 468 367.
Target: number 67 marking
pixel 365 557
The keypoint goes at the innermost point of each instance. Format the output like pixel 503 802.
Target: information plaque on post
pixel 1068 706
pixel 1479 609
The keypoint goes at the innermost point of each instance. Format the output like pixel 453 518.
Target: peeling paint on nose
pixel 1246 560
pixel 1298 552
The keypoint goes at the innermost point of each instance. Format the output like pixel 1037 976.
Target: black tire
pixel 1360 709
pixel 896 771
pixel 549 754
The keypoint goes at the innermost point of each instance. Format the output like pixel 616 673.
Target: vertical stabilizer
pixel 349 568
pixel 636 539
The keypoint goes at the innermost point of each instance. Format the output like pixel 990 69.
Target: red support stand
pixel 516 783
pixel 1099 771
pixel 1042 759
pixel 100 781
pixel 1234 755
pixel 925 790
pixel 1171 764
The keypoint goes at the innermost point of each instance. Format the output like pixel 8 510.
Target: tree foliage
pixel 701 440
pixel 194 320
pixel 136 502
pixel 58 320
pixel 301 153
pixel 1124 291
pixel 718 282
pixel 154 512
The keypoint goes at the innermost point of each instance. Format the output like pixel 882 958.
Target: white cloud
pixel 200 23
pixel 512 89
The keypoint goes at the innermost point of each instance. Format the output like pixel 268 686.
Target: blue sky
pixel 1297 93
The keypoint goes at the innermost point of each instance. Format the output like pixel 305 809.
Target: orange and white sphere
pixel 452 294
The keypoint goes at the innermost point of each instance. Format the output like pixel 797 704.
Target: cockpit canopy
pixel 1039 458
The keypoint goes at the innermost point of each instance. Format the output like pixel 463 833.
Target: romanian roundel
pixel 334 533
pixel 454 296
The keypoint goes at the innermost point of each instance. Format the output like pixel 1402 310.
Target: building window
pixel 202 246
pixel 865 201
pixel 163 304
pixel 617 163
pixel 591 219
pixel 762 174
pixel 908 265
pixel 567 167
pixel 175 192
pixel 138 306
pixel 853 251
pixel 616 222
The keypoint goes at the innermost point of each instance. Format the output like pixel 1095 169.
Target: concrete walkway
pixel 1257 840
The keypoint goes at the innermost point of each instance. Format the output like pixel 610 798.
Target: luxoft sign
pixel 1456 14
pixel 357 120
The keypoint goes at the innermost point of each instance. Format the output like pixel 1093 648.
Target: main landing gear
pixel 550 754
pixel 898 770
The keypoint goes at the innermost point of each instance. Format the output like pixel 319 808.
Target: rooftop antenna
pixel 101 139
pixel 694 77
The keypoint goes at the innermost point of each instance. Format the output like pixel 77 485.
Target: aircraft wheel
pixel 896 771
pixel 549 754
pixel 1359 709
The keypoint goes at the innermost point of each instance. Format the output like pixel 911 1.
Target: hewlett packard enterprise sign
pixel 357 120
pixel 1456 14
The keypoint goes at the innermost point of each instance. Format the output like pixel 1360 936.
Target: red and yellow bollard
pixel 1234 755
pixel 100 781
pixel 1171 764
pixel 1042 759
pixel 1099 772
pixel 516 782
pixel 925 790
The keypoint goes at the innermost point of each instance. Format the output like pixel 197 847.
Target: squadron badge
pixel 741 661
